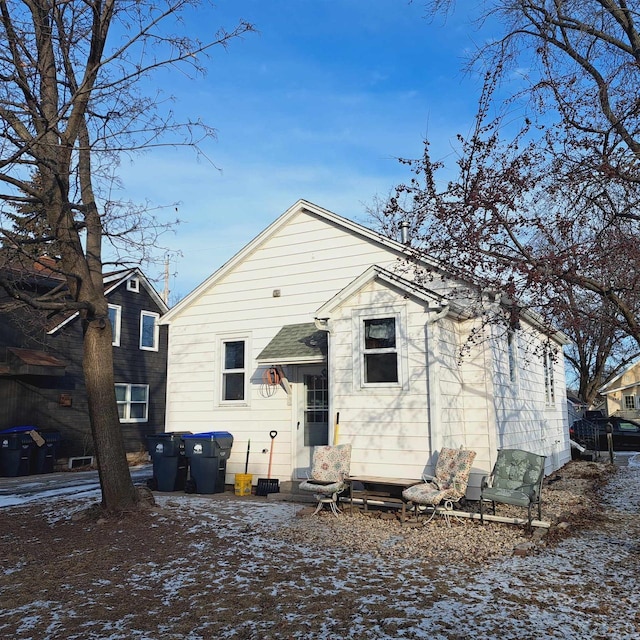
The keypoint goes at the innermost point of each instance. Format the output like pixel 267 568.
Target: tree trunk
pixel 118 492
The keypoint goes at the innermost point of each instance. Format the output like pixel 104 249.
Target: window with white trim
pixel 233 370
pixel 149 330
pixel 133 402
pixel 133 284
pixel 380 351
pixel 629 402
pixel 549 382
pixel 115 318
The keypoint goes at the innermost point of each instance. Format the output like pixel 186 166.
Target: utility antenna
pixel 165 292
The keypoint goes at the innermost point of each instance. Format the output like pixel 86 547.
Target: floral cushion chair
pixel 446 487
pixel 516 479
pixel 329 471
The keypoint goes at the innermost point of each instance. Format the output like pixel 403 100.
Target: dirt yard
pixel 203 567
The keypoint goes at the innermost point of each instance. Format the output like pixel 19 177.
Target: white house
pixel 317 330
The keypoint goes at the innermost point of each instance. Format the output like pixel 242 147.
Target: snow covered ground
pixel 232 573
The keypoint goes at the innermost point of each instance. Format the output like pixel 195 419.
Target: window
pixel 380 351
pixel 115 316
pixel 233 370
pixel 133 402
pixel 629 402
pixel 549 382
pixel 133 284
pixel 512 349
pixel 149 330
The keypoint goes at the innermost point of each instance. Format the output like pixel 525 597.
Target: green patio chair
pixel 516 479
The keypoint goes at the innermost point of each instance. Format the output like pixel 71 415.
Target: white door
pixel 312 427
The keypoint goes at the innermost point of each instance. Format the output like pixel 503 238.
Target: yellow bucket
pixel 243 484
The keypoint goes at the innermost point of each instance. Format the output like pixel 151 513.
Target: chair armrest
pixel 484 483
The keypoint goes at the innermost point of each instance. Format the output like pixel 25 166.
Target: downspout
pixel 433 381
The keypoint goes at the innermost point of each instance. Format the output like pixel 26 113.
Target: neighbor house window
pixel 233 370
pixel 549 382
pixel 380 351
pixel 133 284
pixel 149 330
pixel 133 402
pixel 115 317
pixel 629 402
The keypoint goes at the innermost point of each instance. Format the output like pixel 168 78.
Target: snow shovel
pixel 267 485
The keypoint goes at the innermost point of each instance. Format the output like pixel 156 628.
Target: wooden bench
pixel 379 490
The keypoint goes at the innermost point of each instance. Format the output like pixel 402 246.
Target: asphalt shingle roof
pixel 296 343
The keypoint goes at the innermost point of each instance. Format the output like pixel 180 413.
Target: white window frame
pixel 549 378
pixel 222 342
pixel 156 330
pixel 358 323
pixel 127 402
pixel 115 327
pixel 133 284
pixel 626 404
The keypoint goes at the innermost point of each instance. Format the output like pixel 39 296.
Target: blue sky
pixel 318 105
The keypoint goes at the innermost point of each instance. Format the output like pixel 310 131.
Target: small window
pixel 629 402
pixel 149 330
pixel 133 402
pixel 549 382
pixel 233 371
pixel 380 351
pixel 133 284
pixel 512 349
pixel 115 318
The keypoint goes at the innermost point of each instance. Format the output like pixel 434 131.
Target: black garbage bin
pixel 169 462
pixel 208 454
pixel 16 448
pixel 44 456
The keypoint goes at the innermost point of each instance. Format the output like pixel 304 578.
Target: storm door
pixel 313 415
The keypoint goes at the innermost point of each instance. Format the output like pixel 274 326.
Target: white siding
pixel 309 261
pixel 395 430
pixel 388 426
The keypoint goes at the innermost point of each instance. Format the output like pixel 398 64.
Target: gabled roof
pixel 396 248
pixel 112 281
pixel 433 300
pixel 614 384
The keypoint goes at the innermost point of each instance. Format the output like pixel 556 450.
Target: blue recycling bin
pixel 170 465
pixel 208 454
pixel 16 448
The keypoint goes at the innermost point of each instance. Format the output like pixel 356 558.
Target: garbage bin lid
pixel 18 429
pixel 209 435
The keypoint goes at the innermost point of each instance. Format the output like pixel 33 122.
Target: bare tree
pixel 543 203
pixel 71 101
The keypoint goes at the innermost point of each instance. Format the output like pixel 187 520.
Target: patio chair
pixel 329 471
pixel 516 479
pixel 448 485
